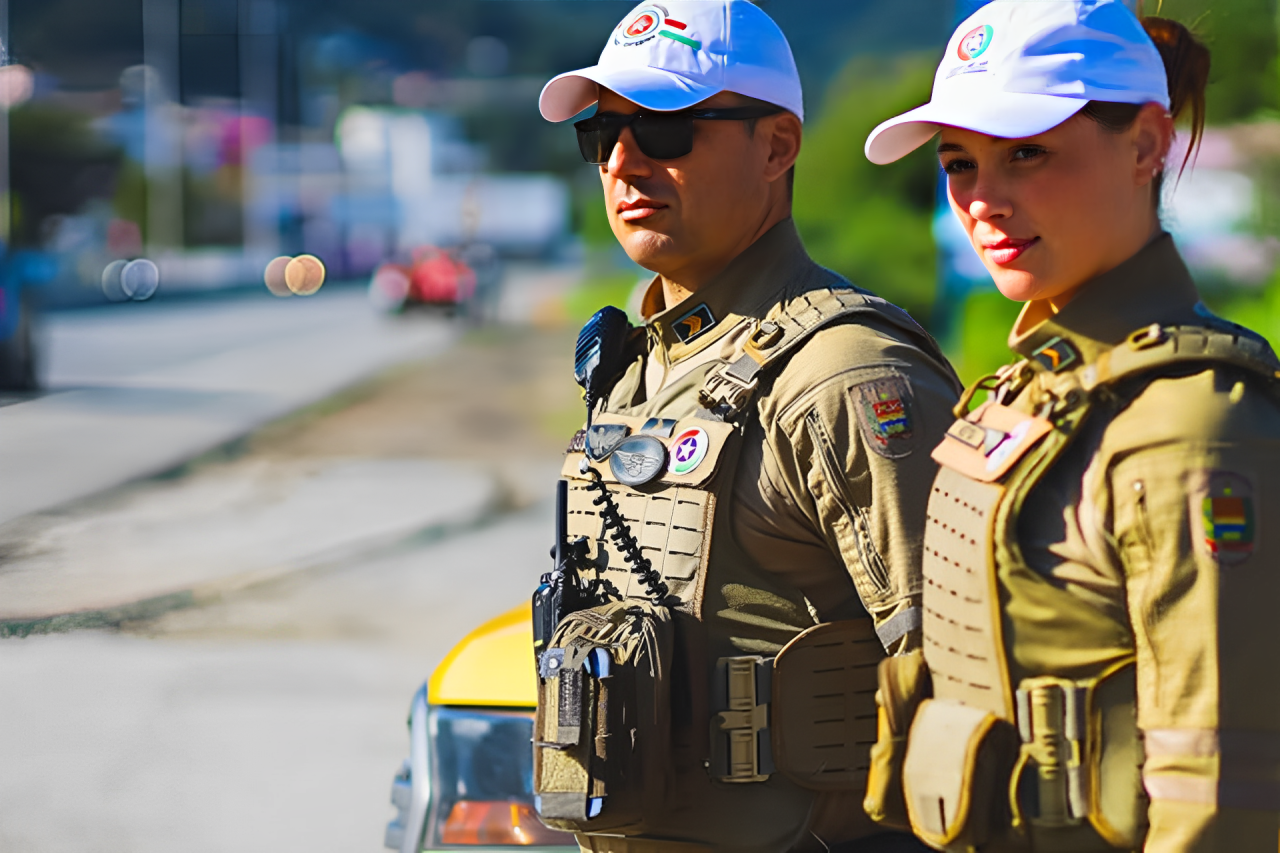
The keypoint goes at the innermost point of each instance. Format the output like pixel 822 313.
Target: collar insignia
pixel 694 323
pixel 1057 354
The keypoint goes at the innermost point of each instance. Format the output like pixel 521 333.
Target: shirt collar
pixel 1153 286
pixel 747 288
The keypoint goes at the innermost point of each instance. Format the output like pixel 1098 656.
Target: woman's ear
pixel 1151 136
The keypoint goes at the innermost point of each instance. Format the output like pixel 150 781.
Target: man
pixel 764 452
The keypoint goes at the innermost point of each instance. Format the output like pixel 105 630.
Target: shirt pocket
pixel 873 581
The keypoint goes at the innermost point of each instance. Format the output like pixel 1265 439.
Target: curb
pixel 492 508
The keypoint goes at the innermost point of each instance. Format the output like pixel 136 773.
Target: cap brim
pixel 1008 115
pixel 570 93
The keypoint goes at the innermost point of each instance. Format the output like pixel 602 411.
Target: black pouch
pixel 602 735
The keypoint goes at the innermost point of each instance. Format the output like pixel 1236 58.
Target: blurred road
pixel 137 389
pixel 270 722
pixel 271 715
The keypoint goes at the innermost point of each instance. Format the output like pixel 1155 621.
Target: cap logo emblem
pixel 648 23
pixel 641 26
pixel 975 42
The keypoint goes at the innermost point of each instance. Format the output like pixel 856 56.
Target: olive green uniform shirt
pixel 829 497
pixel 1125 521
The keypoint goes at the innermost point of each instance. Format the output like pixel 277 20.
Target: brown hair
pixel 1186 65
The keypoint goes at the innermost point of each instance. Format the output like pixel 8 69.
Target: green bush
pixel 871 223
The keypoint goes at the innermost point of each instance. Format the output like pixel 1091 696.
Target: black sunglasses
pixel 660 135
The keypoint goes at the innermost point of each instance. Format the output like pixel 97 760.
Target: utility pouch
pixel 904 683
pixel 1077 784
pixel 955 776
pixel 602 735
pixel 824 709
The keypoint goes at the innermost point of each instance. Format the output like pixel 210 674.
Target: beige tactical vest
pixel 753 736
pixel 1056 759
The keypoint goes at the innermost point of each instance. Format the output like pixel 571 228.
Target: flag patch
pixel 1227 517
pixel 884 410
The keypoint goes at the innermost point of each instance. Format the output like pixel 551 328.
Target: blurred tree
pixel 1242 37
pixel 871 223
pixel 57 163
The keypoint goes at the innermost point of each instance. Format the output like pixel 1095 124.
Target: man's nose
pixel 627 161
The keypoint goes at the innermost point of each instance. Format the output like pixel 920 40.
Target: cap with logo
pixel 672 55
pixel 1017 68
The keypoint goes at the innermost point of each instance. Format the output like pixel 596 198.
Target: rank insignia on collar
pixel 694 323
pixel 1057 354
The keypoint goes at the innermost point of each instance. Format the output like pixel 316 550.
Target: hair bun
pixel 1186 65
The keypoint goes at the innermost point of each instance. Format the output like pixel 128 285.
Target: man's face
pixel 688 213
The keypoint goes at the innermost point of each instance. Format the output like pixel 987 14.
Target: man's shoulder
pixel 878 342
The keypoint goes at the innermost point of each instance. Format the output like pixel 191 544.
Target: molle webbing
pixel 962 643
pixel 728 389
pixel 1156 347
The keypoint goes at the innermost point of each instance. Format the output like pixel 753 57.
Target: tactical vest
pixel 1056 759
pixel 693 737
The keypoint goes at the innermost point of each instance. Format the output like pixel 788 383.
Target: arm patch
pixel 886 414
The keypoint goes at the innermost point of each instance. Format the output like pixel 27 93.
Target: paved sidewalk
pixel 161 545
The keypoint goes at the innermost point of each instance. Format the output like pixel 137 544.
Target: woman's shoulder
pixel 1211 402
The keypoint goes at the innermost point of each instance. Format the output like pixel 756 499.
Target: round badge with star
pixel 688 450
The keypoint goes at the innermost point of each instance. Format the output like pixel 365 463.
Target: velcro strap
pixel 899 625
pixel 1248 767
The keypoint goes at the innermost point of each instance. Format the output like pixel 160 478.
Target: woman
pixel 1101 628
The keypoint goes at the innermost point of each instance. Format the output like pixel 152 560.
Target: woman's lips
pixel 1008 250
pixel 641 208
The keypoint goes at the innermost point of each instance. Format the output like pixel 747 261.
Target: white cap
pixel 1017 68
pixel 670 56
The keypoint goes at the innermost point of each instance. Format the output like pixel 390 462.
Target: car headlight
pixel 468 782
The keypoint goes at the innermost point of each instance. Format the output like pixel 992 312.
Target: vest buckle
pixel 741 746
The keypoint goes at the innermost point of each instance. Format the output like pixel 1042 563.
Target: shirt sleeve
pixel 852 455
pixel 1190 525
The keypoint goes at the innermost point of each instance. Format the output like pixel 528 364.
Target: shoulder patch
pixel 886 414
pixel 1222 517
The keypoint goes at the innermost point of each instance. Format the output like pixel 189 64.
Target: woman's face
pixel 1049 212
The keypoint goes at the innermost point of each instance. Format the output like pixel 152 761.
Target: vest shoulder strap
pixel 728 389
pixel 1156 348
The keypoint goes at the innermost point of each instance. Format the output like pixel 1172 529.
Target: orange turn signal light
pixel 506 823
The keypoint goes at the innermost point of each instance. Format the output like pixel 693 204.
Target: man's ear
pixel 784 134
pixel 1152 136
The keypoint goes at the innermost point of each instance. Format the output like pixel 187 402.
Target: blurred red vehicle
pixel 433 277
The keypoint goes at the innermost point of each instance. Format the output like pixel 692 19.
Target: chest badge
pixel 638 460
pixel 603 439
pixel 688 450
pixel 695 323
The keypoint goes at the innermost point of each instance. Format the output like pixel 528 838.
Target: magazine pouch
pixel 956 774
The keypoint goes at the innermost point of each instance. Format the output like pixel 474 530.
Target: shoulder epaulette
pixel 1158 347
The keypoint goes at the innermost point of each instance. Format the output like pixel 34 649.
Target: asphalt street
pixel 272 721
pixel 136 389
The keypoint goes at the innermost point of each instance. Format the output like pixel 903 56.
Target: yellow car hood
pixel 492 666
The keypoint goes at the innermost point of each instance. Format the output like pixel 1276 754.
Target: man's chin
pixel 650 249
